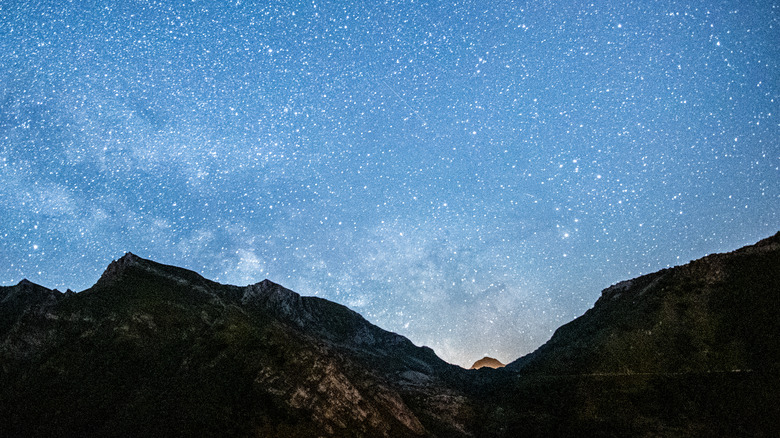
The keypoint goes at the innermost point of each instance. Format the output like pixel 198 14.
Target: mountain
pixel 687 351
pixel 716 314
pixel 156 350
pixel 488 362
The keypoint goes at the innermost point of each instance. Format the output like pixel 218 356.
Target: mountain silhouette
pixel 715 314
pixel 157 350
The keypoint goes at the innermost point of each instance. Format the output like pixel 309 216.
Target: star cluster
pixel 467 174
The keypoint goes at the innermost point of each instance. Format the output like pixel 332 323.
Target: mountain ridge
pixel 685 295
pixel 153 349
pixel 313 362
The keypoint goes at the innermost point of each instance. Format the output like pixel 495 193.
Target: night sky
pixel 468 174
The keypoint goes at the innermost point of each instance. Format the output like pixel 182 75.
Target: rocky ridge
pixel 715 314
pixel 236 359
pixel 155 350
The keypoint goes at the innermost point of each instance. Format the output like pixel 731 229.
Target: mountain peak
pixel 267 284
pixel 27 285
pixel 269 292
pixel 129 257
pixel 130 261
pixel 117 267
pixel 25 291
pixel 488 362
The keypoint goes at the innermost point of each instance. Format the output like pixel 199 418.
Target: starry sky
pixel 468 174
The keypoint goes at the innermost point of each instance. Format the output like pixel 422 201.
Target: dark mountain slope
pixel 154 350
pixel 686 351
pixel 17 301
pixel 720 313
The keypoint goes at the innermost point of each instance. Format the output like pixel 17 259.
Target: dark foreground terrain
pixel 155 350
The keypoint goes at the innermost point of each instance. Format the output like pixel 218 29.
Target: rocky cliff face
pixel 155 350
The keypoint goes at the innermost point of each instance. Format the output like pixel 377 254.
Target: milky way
pixel 467 174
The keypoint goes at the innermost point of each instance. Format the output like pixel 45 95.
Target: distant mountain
pixel 488 362
pixel 156 350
